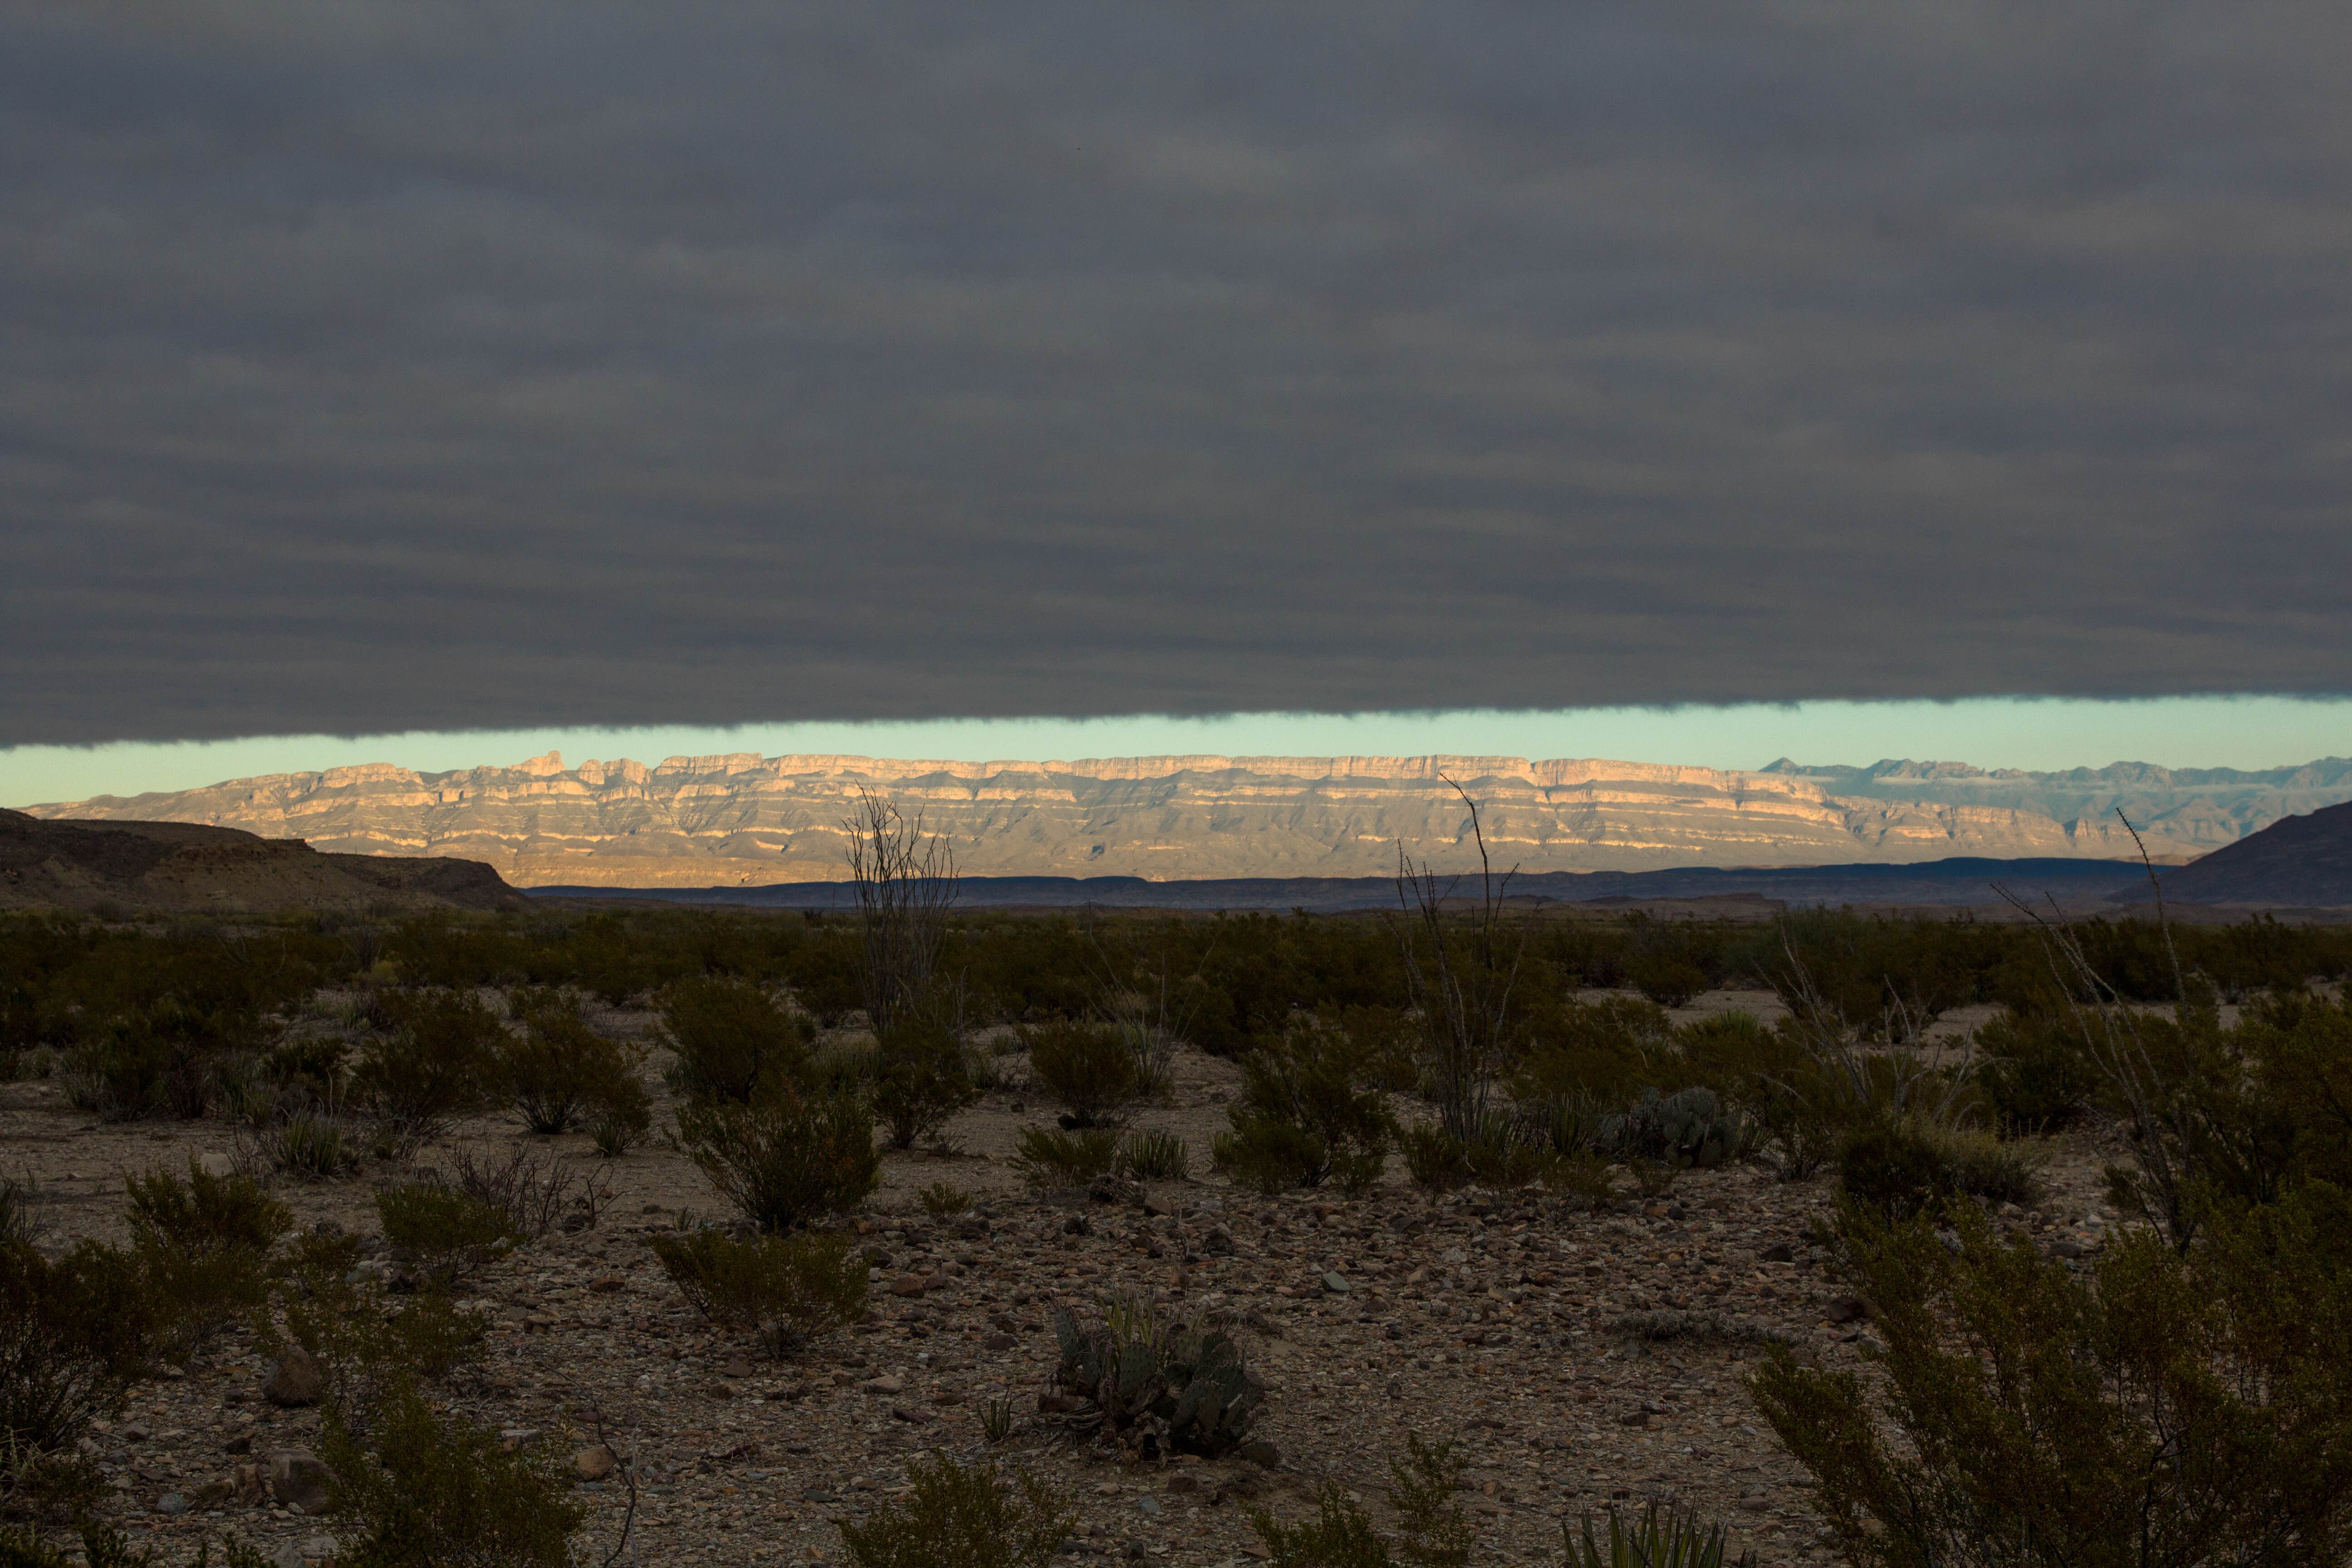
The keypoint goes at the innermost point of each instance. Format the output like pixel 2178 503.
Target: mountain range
pixel 747 820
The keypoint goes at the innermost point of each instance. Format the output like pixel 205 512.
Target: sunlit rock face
pixel 718 820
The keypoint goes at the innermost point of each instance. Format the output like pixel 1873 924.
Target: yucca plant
pixel 1154 1157
pixel 1673 1539
pixel 1046 1158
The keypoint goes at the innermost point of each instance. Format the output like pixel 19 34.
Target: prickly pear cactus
pixel 1182 1390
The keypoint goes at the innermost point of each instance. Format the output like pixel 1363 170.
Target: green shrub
pixel 367 1346
pixel 1087 1066
pixel 2160 1407
pixel 536 1195
pixel 2033 1072
pixel 787 1290
pixel 1577 1051
pixel 1047 1158
pixel 74 1333
pixel 1436 1160
pixel 436 1063
pixel 204 1243
pixel 1673 1539
pixel 784 1159
pixel 1687 1129
pixel 1158 1385
pixel 161 1060
pixel 1154 1157
pixel 922 1076
pixel 308 1144
pixel 427 1489
pixel 448 1237
pixel 1900 1171
pixel 1665 979
pixel 943 1199
pixel 963 1515
pixel 731 1038
pixel 1310 1112
pixel 561 1070
pixel 1431 1529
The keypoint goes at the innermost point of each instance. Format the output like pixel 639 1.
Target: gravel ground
pixel 1493 1318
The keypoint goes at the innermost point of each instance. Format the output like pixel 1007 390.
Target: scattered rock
pixel 1336 1284
pixel 1262 1453
pixel 909 1285
pixel 240 1444
pixel 1779 1252
pixel 171 1502
pixel 885 1384
pixel 298 1479
pixel 594 1464
pixel 610 1284
pixel 1846 1308
pixel 296 1382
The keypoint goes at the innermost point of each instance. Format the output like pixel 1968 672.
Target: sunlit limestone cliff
pixel 718 820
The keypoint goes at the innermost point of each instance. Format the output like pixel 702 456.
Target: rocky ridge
pixel 745 819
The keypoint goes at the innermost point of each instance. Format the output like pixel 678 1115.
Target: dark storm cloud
pixel 373 367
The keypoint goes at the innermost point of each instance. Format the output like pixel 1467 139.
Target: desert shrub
pixel 1603 1051
pixel 785 1158
pixel 309 1143
pixel 2033 1073
pixel 923 1074
pixel 448 1237
pixel 204 1243
pixel 1154 1157
pixel 1435 1160
pixel 367 1345
pixel 960 1515
pixel 2160 1407
pixel 943 1199
pixel 786 1288
pixel 1431 1529
pixel 1307 1113
pixel 560 1069
pixel 1087 1066
pixel 428 1489
pixel 74 1332
pixel 731 1038
pixel 161 1060
pixel 1665 979
pixel 535 1195
pixel 437 1062
pixel 1155 1384
pixel 20 1198
pixel 1048 1158
pixel 1901 1169
pixel 1672 1538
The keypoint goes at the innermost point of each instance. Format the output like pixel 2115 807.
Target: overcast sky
pixel 369 368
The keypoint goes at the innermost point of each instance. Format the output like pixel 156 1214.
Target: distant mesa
pixel 174 867
pixel 2297 862
pixel 746 820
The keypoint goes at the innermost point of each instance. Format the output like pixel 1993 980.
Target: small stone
pixel 298 1479
pixel 909 1285
pixel 948 1396
pixel 1634 1418
pixel 608 1285
pixel 739 1367
pixel 594 1464
pixel 1262 1453
pixel 999 1341
pixel 240 1444
pixel 1846 1308
pixel 171 1502
pixel 212 1493
pixel 296 1381
pixel 912 1418
pixel 1149 1506
pixel 1779 1252
pixel 885 1384
pixel 1336 1284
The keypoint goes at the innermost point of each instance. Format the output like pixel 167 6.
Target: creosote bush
pixel 448 1237
pixel 1431 1529
pixel 788 1289
pixel 1310 1111
pixel 1900 1171
pixel 432 1062
pixel 922 1074
pixel 1086 1064
pixel 965 1515
pixel 784 1159
pixel 426 1489
pixel 731 1038
pixel 561 1070
pixel 204 1243
pixel 2161 1409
